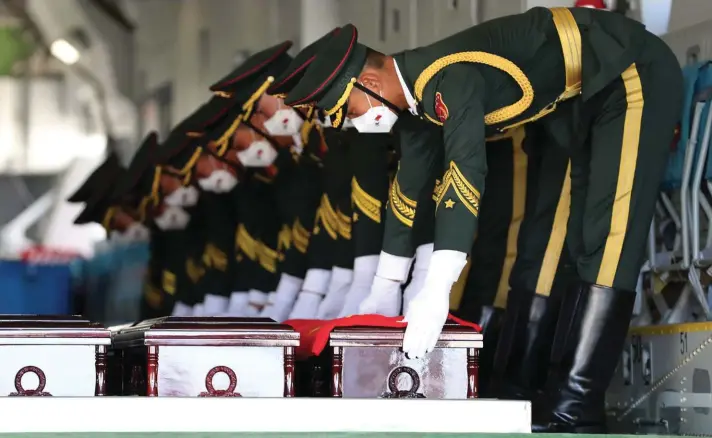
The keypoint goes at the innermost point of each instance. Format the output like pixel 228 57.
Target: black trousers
pixel 616 170
pixel 518 213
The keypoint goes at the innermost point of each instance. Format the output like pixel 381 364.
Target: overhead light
pixel 64 51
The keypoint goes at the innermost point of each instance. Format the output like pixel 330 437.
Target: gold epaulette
pixel 300 236
pixel 245 242
pixel 369 205
pixel 467 193
pixel 403 208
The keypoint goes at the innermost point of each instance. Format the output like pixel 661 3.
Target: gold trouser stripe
pixel 458 288
pixel 520 164
pixel 550 263
pixel 626 176
pixel 570 37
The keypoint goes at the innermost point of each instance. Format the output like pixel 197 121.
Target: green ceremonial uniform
pixel 369 155
pixel 606 91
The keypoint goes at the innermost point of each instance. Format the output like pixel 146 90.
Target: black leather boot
pixel 590 336
pixel 523 354
pixel 490 319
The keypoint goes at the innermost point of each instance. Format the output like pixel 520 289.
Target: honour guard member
pixel 604 88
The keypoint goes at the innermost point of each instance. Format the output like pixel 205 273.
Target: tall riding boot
pixel 490 320
pixel 590 333
pixel 523 354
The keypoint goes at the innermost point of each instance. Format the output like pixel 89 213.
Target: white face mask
pixel 327 122
pixel 260 153
pixel 379 119
pixel 219 181
pixel 285 121
pixel 136 232
pixel 172 218
pixel 183 197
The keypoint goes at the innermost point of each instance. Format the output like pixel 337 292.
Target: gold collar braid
pixel 338 109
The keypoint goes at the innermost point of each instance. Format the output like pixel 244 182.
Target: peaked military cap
pixel 330 78
pixel 289 78
pixel 254 74
pixel 100 203
pixel 139 175
pixel 109 168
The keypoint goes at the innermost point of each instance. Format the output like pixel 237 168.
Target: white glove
pixel 333 302
pixel 256 300
pixel 428 311
pixel 364 272
pixel 285 297
pixel 215 305
pixel 315 285
pixel 268 307
pixel 181 309
pixel 238 304
pixel 385 296
pixel 420 270
pixel 199 310
pixel 384 299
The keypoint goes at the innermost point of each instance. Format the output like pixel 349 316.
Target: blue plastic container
pixel 27 288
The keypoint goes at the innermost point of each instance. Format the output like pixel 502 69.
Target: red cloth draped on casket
pixel 314 333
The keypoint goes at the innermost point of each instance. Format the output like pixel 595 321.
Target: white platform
pixel 141 414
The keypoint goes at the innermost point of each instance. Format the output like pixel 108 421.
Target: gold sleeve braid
pixel 246 243
pixel 267 257
pixel 300 237
pixel 169 282
pixel 403 207
pixel 194 271
pixel 284 239
pixel 328 217
pixel 369 205
pixel 214 257
pixel 467 193
pixel 344 224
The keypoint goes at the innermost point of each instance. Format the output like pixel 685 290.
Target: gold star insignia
pixel 316 230
pixel 355 217
pixel 239 257
pixel 281 257
pixel 449 203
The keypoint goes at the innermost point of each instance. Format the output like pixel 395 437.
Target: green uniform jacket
pixel 480 81
pixel 219 217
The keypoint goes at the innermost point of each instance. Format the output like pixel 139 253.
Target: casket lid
pixel 213 331
pixel 452 336
pixel 51 330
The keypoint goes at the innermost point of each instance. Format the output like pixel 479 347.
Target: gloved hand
pixel 199 310
pixel 238 304
pixel 215 305
pixel 333 302
pixel 256 300
pixel 384 299
pixel 315 285
pixel 428 311
pixel 364 272
pixel 417 279
pixel 385 296
pixel 181 309
pixel 285 297
pixel 268 307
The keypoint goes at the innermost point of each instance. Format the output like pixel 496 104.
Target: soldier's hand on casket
pixel 285 297
pixel 332 304
pixel 307 305
pixel 428 311
pixel 384 299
